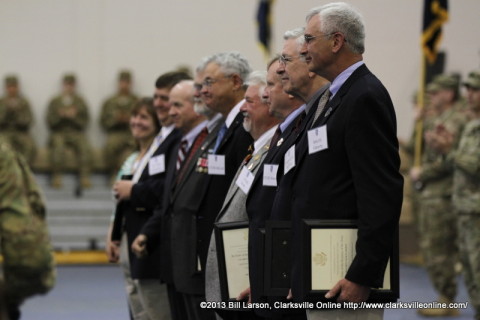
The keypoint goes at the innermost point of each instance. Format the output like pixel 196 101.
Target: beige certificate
pixel 235 242
pixel 333 250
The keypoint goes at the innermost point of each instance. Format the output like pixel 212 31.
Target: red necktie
pixel 196 144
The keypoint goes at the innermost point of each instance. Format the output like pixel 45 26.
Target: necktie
pixel 321 105
pixel 249 155
pixel 298 123
pixel 196 144
pixel 275 138
pixel 182 152
pixel 220 135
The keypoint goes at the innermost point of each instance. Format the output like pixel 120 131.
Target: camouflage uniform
pixel 466 200
pixel 436 218
pixel 67 118
pixel 15 121
pixel 114 120
pixel 28 265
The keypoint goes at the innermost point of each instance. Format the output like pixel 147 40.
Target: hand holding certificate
pixel 330 251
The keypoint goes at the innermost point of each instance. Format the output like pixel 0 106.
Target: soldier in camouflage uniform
pixel 67 118
pixel 436 219
pixel 466 190
pixel 16 119
pixel 114 120
pixel 28 265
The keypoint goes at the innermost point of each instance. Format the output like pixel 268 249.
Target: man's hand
pixel 139 246
pixel 122 189
pixel 112 249
pixel 245 294
pixel 348 291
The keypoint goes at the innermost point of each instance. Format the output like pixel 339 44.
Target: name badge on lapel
pixel 216 164
pixel 289 160
pixel 270 175
pixel 245 180
pixel 156 165
pixel 317 139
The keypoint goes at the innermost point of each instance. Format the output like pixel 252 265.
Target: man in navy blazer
pixel 353 171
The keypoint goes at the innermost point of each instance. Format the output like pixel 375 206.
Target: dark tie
pixel 275 138
pixel 196 144
pixel 321 105
pixel 220 135
pixel 298 123
pixel 182 152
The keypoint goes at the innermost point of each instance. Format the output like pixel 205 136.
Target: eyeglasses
pixel 309 38
pixel 210 81
pixel 285 59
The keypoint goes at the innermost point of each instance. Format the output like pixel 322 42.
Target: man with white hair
pixel 260 124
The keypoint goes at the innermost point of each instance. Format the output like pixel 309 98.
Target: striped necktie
pixel 182 153
pixel 321 105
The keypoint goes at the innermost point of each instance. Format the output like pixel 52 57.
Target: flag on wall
pixel 264 24
pixel 435 14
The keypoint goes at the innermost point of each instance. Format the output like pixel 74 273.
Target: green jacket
pixel 28 264
pixel 466 162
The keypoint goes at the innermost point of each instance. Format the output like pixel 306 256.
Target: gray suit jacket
pixel 233 210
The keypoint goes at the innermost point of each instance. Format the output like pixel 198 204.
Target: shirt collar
pixel 342 77
pixel 233 113
pixel 293 115
pixel 264 139
pixel 192 134
pixel 213 122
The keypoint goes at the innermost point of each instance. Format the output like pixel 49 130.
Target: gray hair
pixel 344 18
pixel 296 34
pixel 229 62
pixel 258 78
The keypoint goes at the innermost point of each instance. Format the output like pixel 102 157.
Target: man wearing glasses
pixel 355 174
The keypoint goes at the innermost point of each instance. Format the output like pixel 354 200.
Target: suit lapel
pixel 236 122
pixel 253 166
pixel 203 150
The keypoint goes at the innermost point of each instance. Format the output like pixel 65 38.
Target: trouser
pixel 469 242
pixel 438 243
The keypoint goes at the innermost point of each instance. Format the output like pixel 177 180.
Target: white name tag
pixel 245 180
pixel 317 139
pixel 270 175
pixel 289 160
pixel 156 165
pixel 216 164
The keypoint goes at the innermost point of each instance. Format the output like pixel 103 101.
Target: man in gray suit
pixel 261 125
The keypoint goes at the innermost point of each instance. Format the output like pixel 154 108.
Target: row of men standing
pixel 68 118
pixel 247 125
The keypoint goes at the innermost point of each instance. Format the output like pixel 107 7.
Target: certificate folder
pixel 329 250
pixel 232 254
pixel 277 258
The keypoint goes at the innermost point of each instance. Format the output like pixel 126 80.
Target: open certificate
pixel 232 254
pixel 331 250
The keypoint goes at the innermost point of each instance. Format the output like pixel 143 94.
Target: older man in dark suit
pixel 353 171
pixel 261 125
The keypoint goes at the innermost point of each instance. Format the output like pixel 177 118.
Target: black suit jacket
pixel 146 196
pixel 234 146
pixel 356 177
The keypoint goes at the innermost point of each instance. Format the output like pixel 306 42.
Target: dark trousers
pixel 175 300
